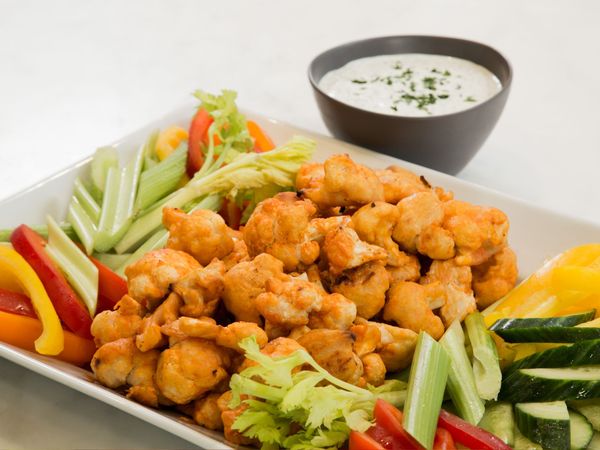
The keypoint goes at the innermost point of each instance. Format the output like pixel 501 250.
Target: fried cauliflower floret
pixel 185 327
pixel 447 272
pixel 229 416
pixel 373 369
pixel 344 250
pixel 408 269
pixel 399 183
pixel 419 226
pixel 319 227
pixel 278 227
pixel 365 286
pixel 203 234
pixel 408 306
pixel 458 304
pixel 333 350
pixel 238 254
pixel 495 278
pixel 231 335
pixel 124 321
pixel 201 289
pixel 207 412
pixel 150 335
pixel 288 301
pixel 479 232
pixel 149 279
pixel 396 347
pixel 343 183
pixel 191 368
pixel 367 338
pixel 374 224
pixel 336 313
pixel 141 379
pixel 113 362
pixel 277 348
pixel 246 281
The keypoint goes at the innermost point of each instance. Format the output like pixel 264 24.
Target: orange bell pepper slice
pixel 22 332
pixel 262 142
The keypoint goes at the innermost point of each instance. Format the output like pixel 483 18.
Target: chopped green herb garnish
pixel 470 99
pixel 443 96
pixel 359 81
pixel 407 74
pixel 429 83
pixel 394 108
pixel 413 86
pixel 422 101
pixel 398 65
pixel 447 73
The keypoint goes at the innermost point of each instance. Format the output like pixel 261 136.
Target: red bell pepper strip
pixel 15 303
pixel 67 303
pixel 361 441
pixel 262 142
pixel 443 440
pixel 111 287
pixel 22 331
pixel 196 139
pixel 469 435
pixel 390 418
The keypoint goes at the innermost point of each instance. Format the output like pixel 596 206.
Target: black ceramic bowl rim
pixel 342 47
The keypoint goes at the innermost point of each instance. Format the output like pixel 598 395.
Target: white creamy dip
pixel 411 84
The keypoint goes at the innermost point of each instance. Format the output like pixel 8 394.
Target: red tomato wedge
pixel 443 440
pixel 196 138
pixel 15 303
pixel 469 435
pixel 390 419
pixel 361 441
pixel 262 142
pixel 67 303
pixel 111 287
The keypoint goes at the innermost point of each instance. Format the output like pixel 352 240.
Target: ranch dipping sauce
pixel 411 84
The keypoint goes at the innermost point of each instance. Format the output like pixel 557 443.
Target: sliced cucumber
pixel 545 423
pixel 581 431
pixel 578 354
pixel 590 409
pixel 522 443
pixel 562 321
pixel 548 334
pixel 543 384
pixel 595 442
pixel 499 420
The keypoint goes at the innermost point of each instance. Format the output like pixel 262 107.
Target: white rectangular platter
pixel 536 234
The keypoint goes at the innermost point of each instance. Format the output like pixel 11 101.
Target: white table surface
pixel 75 75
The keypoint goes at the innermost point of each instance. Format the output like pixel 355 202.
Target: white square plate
pixel 536 234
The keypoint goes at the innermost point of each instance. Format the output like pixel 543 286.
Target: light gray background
pixel 75 75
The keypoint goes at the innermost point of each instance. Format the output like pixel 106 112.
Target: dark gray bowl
pixel 444 142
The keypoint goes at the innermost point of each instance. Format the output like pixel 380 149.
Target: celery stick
pixel 426 385
pixel 103 241
pixel 486 368
pixel 42 230
pixel 112 260
pixel 461 381
pixel 162 179
pixel 104 159
pixel 159 238
pixel 86 200
pixel 77 267
pixel 82 224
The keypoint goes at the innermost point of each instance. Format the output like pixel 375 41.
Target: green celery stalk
pixel 86 200
pixel 162 179
pixel 106 224
pixel 111 260
pixel 82 224
pixel 159 238
pixel 103 160
pixel 486 368
pixel 77 267
pixel 426 385
pixel 246 171
pixel 42 230
pixel 461 381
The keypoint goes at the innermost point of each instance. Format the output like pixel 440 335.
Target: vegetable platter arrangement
pixel 303 305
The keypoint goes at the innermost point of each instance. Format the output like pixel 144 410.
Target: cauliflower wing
pixel 207 412
pixel 336 313
pixel 124 321
pixel 399 183
pixel 344 250
pixel 495 278
pixel 150 335
pixel 201 289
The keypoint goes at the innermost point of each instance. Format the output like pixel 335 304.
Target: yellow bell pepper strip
pixel 168 140
pixel 575 278
pixel 22 331
pixel 537 296
pixel 51 339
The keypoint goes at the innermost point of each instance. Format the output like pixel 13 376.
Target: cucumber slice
pixel 522 443
pixel 590 409
pixel 545 423
pixel 499 420
pixel 578 354
pixel 595 442
pixel 542 384
pixel 548 334
pixel 562 321
pixel 581 431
